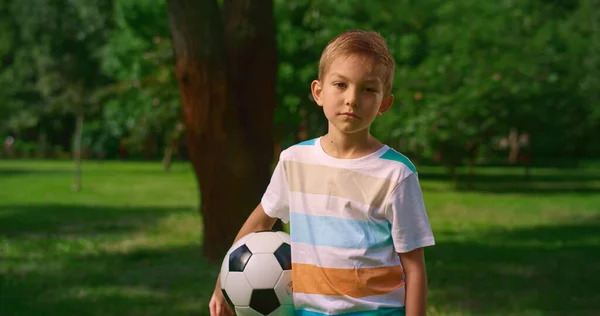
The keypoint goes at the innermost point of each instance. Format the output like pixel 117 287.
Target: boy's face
pixel 351 94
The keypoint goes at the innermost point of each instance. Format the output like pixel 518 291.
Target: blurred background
pixel 104 207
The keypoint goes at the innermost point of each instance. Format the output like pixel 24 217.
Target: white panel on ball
pixel 285 237
pixel 263 271
pixel 266 242
pixel 238 288
pixel 284 288
pixel 246 311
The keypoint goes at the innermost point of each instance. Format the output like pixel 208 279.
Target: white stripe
pixel 329 257
pixel 325 205
pixel 339 305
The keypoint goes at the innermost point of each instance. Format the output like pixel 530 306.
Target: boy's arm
pixel 257 221
pixel 415 273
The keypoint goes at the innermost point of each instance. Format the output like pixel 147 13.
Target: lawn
pixel 130 242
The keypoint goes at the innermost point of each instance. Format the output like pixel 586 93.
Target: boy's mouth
pixel 348 114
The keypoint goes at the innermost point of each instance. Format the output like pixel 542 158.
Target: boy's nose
pixel 351 97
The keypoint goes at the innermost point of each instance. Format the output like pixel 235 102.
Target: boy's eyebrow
pixel 369 80
pixel 335 74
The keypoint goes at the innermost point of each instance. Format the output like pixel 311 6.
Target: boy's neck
pixel 349 146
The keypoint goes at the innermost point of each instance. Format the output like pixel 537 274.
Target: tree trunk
pixel 252 73
pixel 226 75
pixel 77 152
pixel 42 149
pixel 470 174
pixel 172 142
pixel 453 176
pixel 513 145
pixel 168 155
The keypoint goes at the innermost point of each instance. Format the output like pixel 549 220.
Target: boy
pixel 357 218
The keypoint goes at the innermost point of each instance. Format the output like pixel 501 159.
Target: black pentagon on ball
pixel 284 256
pixel 239 258
pixel 227 298
pixel 267 231
pixel 264 301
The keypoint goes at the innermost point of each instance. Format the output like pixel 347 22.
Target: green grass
pixel 514 246
pixel 130 242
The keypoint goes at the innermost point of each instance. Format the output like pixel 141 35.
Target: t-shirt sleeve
pixel 405 210
pixel 275 200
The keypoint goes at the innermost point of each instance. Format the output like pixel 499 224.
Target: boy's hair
pixel 367 44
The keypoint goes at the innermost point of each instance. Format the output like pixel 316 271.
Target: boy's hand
pixel 218 305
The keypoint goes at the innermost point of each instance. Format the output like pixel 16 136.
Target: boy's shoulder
pixel 400 160
pixel 387 157
pixel 302 148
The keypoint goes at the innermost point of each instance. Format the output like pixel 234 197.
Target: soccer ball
pixel 256 275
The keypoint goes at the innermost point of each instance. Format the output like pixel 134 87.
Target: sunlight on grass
pixel 182 229
pixel 124 291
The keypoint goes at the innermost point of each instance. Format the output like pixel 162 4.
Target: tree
pixel 226 67
pixel 144 105
pixel 62 39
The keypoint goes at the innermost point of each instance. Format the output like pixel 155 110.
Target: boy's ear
pixel 386 104
pixel 317 91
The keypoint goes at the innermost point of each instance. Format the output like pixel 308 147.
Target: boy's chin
pixel 349 129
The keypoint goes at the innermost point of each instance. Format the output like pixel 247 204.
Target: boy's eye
pixel 370 90
pixel 339 84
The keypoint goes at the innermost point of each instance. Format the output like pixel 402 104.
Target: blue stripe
pixel 309 142
pixel 339 232
pixel 396 156
pixel 379 312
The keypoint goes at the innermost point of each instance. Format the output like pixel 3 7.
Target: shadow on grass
pixel 166 281
pixel 37 279
pixel 12 172
pixel 71 221
pixel 62 168
pixel 548 270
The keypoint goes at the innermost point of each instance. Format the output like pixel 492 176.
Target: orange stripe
pixel 310 279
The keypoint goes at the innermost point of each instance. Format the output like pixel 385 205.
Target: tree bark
pixel 226 75
pixel 252 73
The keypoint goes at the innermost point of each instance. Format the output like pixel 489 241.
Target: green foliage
pixel 53 69
pixel 466 73
pixel 144 99
pixel 62 39
pixel 20 100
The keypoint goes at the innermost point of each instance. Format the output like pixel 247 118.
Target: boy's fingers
pixel 228 310
pixel 224 309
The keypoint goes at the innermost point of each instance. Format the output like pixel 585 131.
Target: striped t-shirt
pixel 348 220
